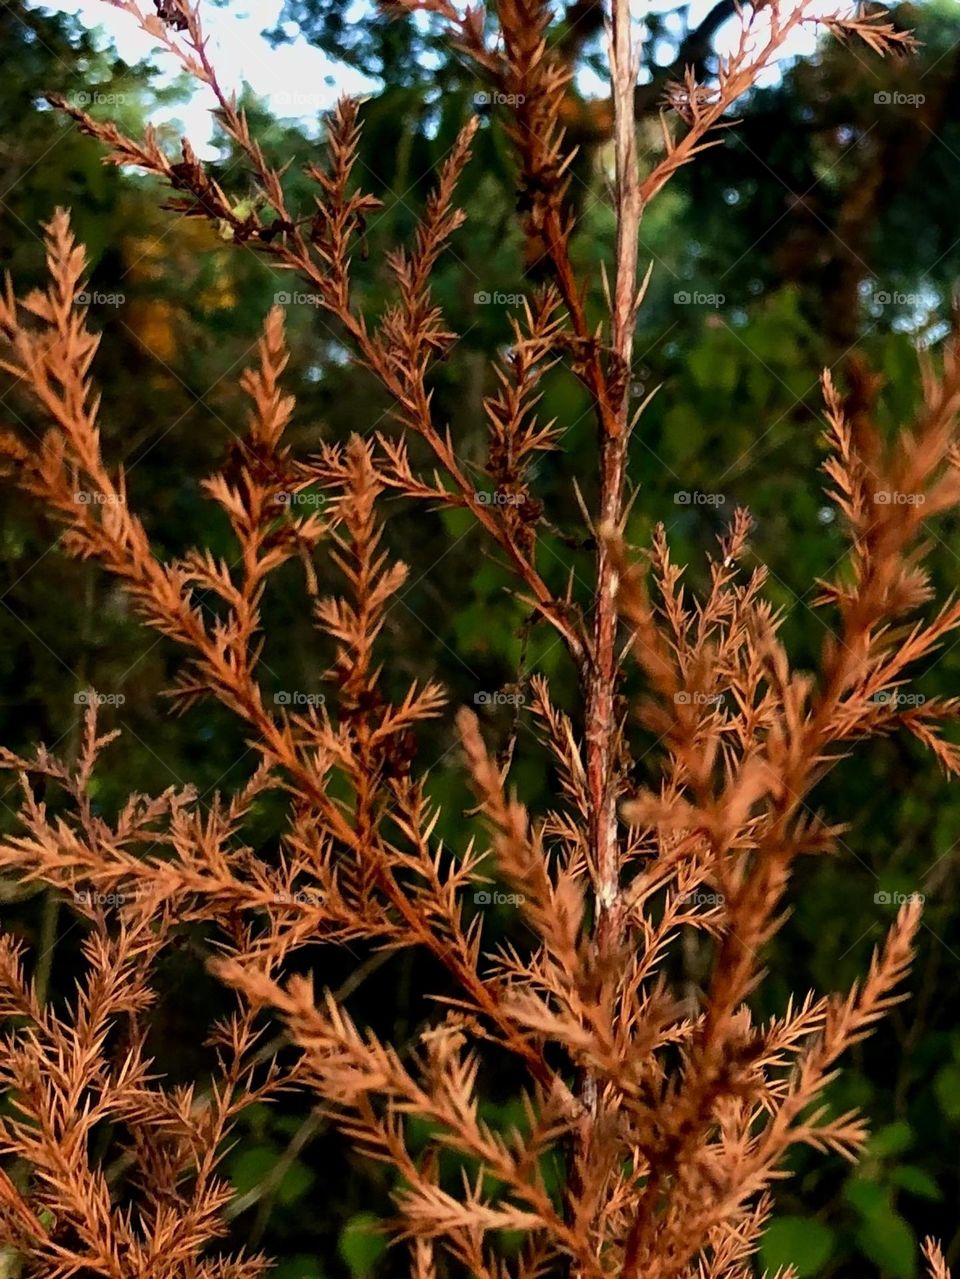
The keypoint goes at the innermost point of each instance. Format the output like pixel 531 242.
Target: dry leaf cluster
pixel 669 1111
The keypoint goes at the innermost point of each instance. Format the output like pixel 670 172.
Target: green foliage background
pixel 823 202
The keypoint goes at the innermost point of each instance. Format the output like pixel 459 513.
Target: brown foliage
pixel 672 1115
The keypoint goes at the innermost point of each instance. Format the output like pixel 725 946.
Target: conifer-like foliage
pixel 669 1112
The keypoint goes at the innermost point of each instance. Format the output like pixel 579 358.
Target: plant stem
pixel 600 669
pixel 601 728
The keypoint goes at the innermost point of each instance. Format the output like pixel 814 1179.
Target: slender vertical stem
pixel 623 75
pixel 601 732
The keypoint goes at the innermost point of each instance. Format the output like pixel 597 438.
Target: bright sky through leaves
pixel 295 79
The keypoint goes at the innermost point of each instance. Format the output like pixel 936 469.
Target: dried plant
pixel 670 1113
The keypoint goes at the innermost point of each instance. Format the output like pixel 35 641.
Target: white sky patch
pixel 296 80
pixel 800 43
